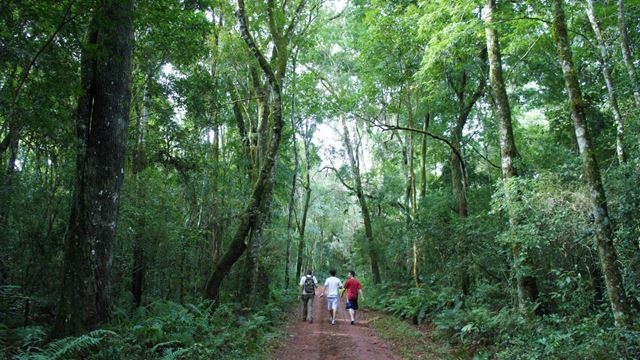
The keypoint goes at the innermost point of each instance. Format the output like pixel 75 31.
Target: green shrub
pixel 164 330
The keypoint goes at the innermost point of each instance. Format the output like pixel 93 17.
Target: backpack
pixel 309 285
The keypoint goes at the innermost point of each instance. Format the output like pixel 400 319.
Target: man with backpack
pixel 308 285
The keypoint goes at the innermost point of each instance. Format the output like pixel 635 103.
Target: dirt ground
pixel 323 341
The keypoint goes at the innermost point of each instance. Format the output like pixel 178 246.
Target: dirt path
pixel 323 341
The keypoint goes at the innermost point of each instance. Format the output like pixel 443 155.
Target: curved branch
pixel 386 127
pixel 241 14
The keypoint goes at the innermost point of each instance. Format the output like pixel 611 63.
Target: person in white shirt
pixel 308 285
pixel 331 286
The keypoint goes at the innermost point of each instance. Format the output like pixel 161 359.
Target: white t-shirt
pixel 304 277
pixel 332 285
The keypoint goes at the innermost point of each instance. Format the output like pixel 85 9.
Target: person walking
pixel 331 286
pixel 352 288
pixel 308 285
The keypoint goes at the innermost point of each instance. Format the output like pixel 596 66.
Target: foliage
pixel 164 330
pixel 383 66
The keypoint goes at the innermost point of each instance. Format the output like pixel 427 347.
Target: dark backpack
pixel 309 285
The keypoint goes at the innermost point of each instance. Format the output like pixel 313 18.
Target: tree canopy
pixel 170 168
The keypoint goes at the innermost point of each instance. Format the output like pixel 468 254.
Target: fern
pixel 174 355
pixel 69 347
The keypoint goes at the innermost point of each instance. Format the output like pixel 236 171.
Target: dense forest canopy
pixel 170 168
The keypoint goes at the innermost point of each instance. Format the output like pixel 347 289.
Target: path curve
pixel 323 341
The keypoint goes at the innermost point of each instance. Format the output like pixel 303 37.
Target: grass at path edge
pixel 409 341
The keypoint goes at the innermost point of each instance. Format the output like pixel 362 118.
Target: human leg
pixel 332 304
pixel 310 309
pixel 352 306
pixel 304 307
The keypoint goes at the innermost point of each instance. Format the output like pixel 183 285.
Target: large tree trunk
pixel 602 223
pixel 103 119
pixel 257 236
pixel 626 53
pixel 526 284
pixel 260 201
pixel 366 217
pixel 608 79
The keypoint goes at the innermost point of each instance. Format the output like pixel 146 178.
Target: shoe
pixel 311 321
pixel 353 322
pixel 333 322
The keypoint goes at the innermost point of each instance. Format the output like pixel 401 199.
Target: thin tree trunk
pixel 139 164
pixel 307 198
pixel 86 290
pixel 626 53
pixel 526 284
pixel 366 217
pixel 423 158
pixel 412 199
pixel 608 79
pixel 458 174
pixel 597 197
pixel 292 199
pixel 294 181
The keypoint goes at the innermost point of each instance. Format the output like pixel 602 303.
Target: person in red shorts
pixel 353 288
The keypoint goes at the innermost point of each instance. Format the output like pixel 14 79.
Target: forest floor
pixel 321 340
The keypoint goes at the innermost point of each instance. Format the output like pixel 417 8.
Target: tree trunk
pixel 602 223
pixel 294 181
pixel 458 174
pixel 366 217
pixel 608 79
pixel 261 196
pixel 626 53
pixel 102 119
pixel 307 198
pixel 290 220
pixel 423 158
pixel 139 164
pixel 526 284
pixel 411 177
pixel 458 181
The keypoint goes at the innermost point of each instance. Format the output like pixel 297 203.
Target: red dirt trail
pixel 323 341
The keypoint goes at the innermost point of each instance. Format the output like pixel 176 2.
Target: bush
pixel 164 330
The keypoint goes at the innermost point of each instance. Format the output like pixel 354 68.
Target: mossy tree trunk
pixel 597 197
pixel 526 284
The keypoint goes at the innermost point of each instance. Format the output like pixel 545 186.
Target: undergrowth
pixel 502 332
pixel 408 341
pixel 162 330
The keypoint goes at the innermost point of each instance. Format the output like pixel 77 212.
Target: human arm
pixel 360 292
pixel 324 289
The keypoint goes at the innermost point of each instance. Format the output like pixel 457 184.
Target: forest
pixel 169 169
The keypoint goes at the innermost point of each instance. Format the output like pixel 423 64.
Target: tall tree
pixel 252 218
pixel 102 124
pixel 526 285
pixel 302 226
pixel 626 53
pixel 597 197
pixel 354 164
pixel 608 79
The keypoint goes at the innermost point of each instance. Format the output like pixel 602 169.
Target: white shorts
pixel 332 302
